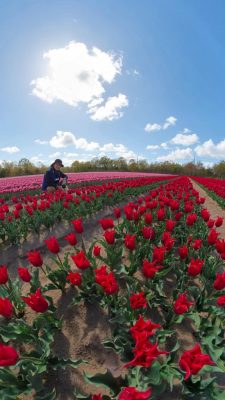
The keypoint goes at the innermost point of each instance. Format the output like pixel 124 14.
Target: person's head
pixel 57 164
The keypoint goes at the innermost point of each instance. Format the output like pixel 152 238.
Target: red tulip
pixel 35 258
pixel 24 274
pixel 3 275
pixel 6 308
pixel 81 260
pixel 8 355
pixel 138 300
pixel 192 361
pixel 74 278
pixel 131 393
pixel 36 301
pixel 96 250
pixel 53 245
pixel 78 225
pixel 71 239
pixel 182 304
pixel 109 237
pixel 195 266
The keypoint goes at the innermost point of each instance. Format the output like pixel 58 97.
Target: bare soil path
pixel 212 206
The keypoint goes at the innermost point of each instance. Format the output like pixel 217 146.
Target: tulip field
pixel 215 187
pixel 127 304
pixel 33 182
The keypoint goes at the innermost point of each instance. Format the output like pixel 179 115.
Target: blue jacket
pixel 52 178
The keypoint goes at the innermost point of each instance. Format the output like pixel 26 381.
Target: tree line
pixel 26 167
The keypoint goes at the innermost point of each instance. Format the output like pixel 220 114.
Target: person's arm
pixel 62 175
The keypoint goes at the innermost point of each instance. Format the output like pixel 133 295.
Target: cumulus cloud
pixel 208 164
pixel 65 139
pixel 54 155
pixel 119 149
pixel 178 154
pixel 186 130
pixel 184 139
pixel 210 149
pixel 62 139
pixel 152 147
pixel 110 110
pixel 79 75
pixel 164 146
pixel 70 155
pixel 39 141
pixel 11 150
pixel 36 159
pixel 170 121
pixel 153 127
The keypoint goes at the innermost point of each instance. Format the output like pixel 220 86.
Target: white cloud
pixel 54 155
pixel 210 149
pixel 133 72
pixel 119 149
pixel 68 158
pixel 129 155
pixel 11 150
pixel 208 164
pixel 82 143
pixel 152 127
pixel 70 155
pixel 36 159
pixel 110 110
pixel 170 121
pixel 136 72
pixel 62 139
pixel 66 139
pixel 178 154
pixel 39 141
pixel 152 147
pixel 185 140
pixel 95 102
pixel 164 146
pixel 186 130
pixel 77 74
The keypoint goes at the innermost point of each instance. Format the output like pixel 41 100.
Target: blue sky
pixel 136 79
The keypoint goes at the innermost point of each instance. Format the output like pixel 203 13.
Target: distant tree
pixel 219 169
pixel 75 167
pixel 132 165
pixel 121 164
pixel 142 165
pixel 105 163
pixel 26 166
pixel 7 168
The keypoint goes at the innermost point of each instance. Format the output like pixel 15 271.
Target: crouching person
pixel 53 177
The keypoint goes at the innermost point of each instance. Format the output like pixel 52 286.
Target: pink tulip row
pixel 21 183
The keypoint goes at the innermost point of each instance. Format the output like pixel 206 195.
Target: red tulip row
pixel 164 235
pixel 213 185
pixel 26 213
